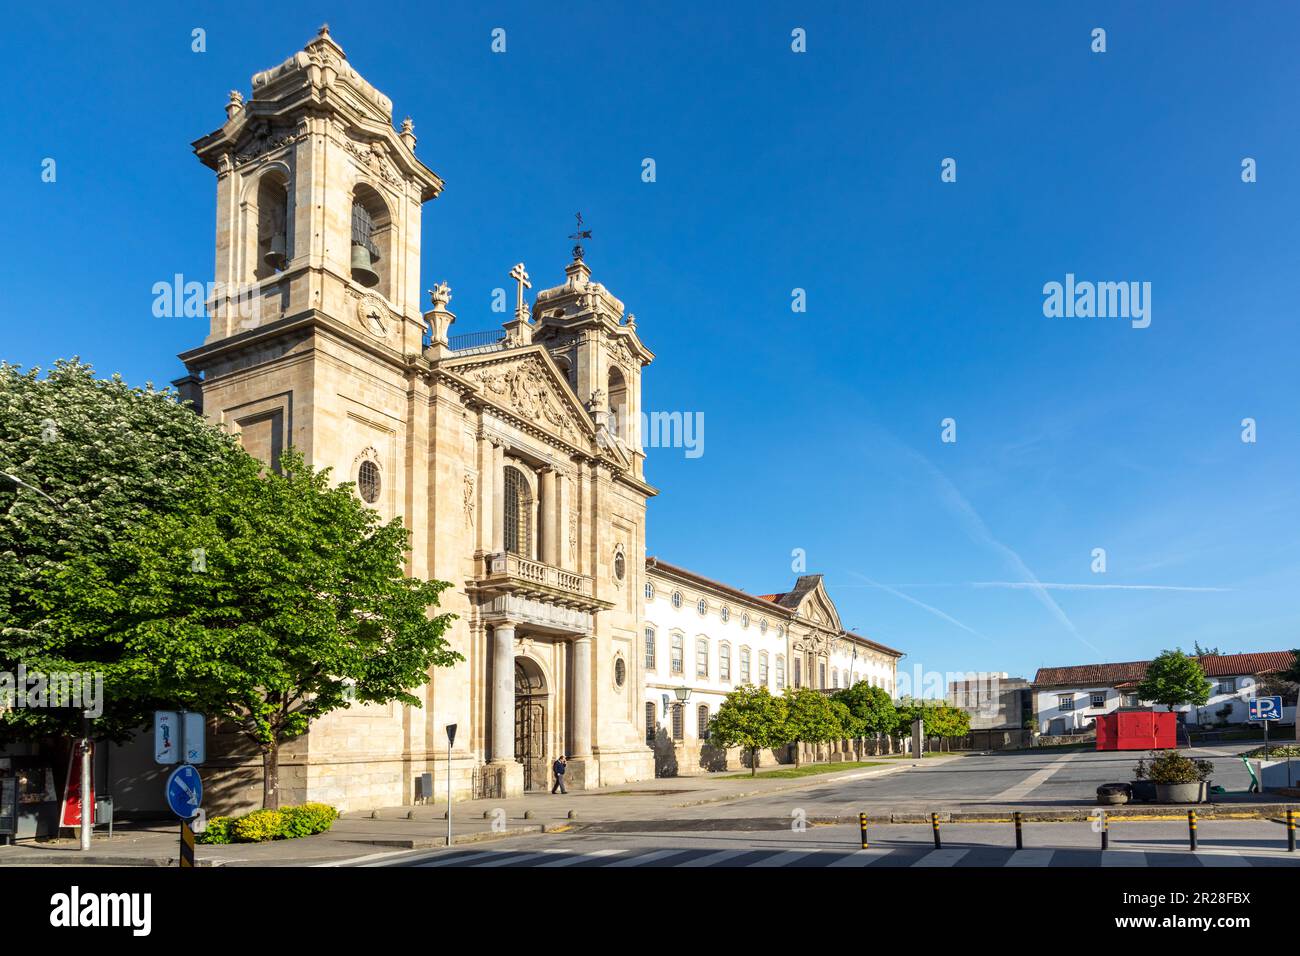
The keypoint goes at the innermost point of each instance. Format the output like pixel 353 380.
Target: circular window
pixel 620 672
pixel 744 619
pixel 702 606
pixel 762 626
pixel 368 482
pixel 620 566
pixel 677 599
pixel 724 612
pixel 649 591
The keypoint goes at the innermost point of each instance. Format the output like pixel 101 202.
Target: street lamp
pixel 683 694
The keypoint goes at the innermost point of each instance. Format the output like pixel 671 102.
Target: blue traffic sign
pixel 1266 708
pixel 184 791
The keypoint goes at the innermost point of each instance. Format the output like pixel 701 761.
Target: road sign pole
pixel 87 811
pixel 1266 723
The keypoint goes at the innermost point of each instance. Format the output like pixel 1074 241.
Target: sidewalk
pixel 389 829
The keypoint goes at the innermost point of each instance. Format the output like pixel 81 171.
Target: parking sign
pixel 1266 708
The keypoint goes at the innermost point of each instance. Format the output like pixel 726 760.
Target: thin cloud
pixel 921 604
pixel 1019 585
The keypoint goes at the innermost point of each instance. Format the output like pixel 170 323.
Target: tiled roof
pixel 774 598
pixel 1216 665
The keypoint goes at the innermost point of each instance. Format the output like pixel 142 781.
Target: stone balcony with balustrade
pixel 502 572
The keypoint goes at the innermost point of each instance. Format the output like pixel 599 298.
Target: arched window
pixel 835 678
pixel 649 648
pixel 744 665
pixel 518 513
pixel 724 612
pixel 780 672
pixel 762 668
pixel 724 662
pixel 701 657
pixel 702 721
pixel 651 723
pixel 679 731
pixel 702 606
pixel 677 652
pixel 677 599
pixel 273 231
pixel 371 240
pixel 649 591
pixel 618 417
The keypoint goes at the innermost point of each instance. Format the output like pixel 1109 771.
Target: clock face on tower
pixel 373 315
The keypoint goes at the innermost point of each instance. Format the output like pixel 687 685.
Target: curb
pixel 810 781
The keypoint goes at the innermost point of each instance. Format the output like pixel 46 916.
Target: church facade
pixel 513 457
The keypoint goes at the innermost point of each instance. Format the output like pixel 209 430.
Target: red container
pixel 1137 730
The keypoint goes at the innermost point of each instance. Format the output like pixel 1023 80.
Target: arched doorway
pixel 530 722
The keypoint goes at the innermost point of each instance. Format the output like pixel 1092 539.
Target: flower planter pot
pixel 1143 791
pixel 1180 792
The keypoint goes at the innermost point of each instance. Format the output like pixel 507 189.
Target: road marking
pixel 1035 780
pixel 861 858
pixel 577 856
pixel 459 858
pixel 645 859
pixel 945 857
pixel 714 858
pixel 510 859
pixel 1123 858
pixel 1031 858
pixel 357 860
pixel 783 858
pixel 1223 858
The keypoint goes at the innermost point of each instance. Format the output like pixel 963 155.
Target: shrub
pixel 259 826
pixel 308 819
pixel 217 833
pixel 1171 767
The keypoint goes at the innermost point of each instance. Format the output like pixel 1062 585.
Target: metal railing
pixel 487 341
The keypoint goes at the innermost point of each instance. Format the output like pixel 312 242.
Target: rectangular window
pixel 1131 700
pixel 1065 702
pixel 678 730
pixel 798 672
pixel 677 654
pixel 762 668
pixel 702 722
pixel 650 723
pixel 1097 700
pixel 701 658
pixel 1227 685
pixel 724 662
pixel 649 648
pixel 821 676
pixel 780 673
pixel 744 665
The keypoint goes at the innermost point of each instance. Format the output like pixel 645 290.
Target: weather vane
pixel 578 236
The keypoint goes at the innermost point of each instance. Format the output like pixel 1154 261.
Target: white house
pixel 1069 699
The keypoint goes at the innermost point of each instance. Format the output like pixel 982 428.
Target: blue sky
pixel 818 171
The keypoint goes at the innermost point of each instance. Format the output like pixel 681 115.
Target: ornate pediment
pixel 532 388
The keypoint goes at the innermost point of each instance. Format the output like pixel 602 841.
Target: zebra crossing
pixel 910 855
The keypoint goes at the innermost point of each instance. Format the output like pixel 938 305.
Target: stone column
pixel 486 498
pixel 581 696
pixel 550 553
pixel 503 693
pixel 498 479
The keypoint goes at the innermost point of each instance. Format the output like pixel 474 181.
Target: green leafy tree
pixel 1175 678
pixel 83 463
pixel 1292 674
pixel 269 599
pixel 870 706
pixel 750 717
pixel 811 718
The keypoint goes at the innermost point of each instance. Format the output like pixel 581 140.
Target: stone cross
pixel 521 276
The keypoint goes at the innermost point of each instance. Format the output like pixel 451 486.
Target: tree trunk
pixel 271 776
pixel 796 755
pixel 753 761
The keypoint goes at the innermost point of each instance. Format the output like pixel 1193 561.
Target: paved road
pixel 1223 844
pixel 1020 780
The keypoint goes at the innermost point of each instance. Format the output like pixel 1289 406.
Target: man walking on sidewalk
pixel 559 767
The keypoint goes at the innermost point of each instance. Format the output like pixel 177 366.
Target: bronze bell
pixel 363 266
pixel 275 256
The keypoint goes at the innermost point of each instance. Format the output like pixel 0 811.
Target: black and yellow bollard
pixel 1191 829
pixel 187 845
pixel 862 825
pixel 1290 831
pixel 1105 830
pixel 1020 836
pixel 934 822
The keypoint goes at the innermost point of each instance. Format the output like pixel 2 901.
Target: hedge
pixel 262 825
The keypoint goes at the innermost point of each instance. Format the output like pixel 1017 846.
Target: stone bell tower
pixel 584 328
pixel 317 253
